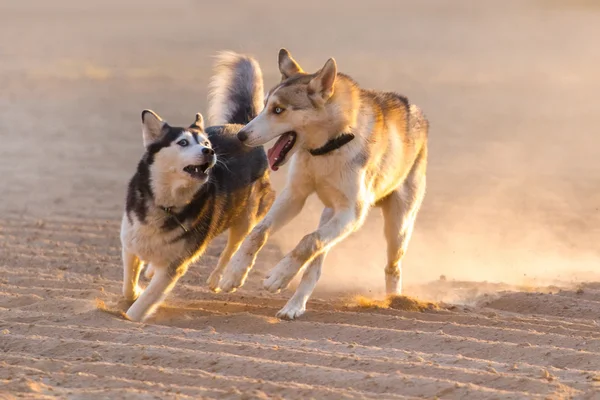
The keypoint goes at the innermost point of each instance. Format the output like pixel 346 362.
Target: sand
pixel 510 219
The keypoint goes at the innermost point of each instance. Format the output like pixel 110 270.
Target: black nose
pixel 207 150
pixel 242 136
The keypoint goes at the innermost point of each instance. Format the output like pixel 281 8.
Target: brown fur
pixel 383 166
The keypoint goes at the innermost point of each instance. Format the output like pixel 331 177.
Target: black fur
pixel 240 95
pixel 332 144
pixel 224 196
pixel 219 201
pixel 244 111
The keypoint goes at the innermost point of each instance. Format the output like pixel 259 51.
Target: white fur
pixel 171 185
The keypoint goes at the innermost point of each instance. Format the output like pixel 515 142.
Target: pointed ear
pixel 287 65
pixel 152 127
pixel 320 88
pixel 198 123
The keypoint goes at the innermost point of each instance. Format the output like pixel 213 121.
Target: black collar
pixel 332 144
pixel 169 211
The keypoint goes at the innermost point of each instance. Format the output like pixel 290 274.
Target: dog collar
pixel 169 211
pixel 332 144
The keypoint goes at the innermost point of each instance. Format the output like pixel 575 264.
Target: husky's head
pixel 298 111
pixel 179 159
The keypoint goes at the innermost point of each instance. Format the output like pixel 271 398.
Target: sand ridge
pixel 56 342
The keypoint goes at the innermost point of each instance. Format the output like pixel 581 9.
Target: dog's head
pixel 297 111
pixel 179 159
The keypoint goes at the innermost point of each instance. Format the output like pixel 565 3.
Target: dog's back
pixel 242 172
pixel 396 141
pixel 239 177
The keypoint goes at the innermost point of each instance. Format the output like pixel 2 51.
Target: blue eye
pixel 183 142
pixel 278 110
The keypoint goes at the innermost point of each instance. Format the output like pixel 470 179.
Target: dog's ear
pixel 287 65
pixel 320 88
pixel 153 127
pixel 198 123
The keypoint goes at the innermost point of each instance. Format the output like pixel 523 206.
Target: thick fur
pixel 236 90
pixel 170 215
pixel 383 166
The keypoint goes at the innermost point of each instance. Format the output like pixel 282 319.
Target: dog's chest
pixel 334 181
pixel 149 242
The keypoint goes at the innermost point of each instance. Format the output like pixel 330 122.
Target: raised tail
pixel 236 92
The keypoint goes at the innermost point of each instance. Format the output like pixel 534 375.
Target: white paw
pixel 280 277
pixel 134 316
pixel 213 281
pixel 292 310
pixel 230 282
pixel 235 274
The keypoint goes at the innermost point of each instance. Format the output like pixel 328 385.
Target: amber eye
pixel 278 110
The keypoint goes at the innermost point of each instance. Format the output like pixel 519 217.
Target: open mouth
pixel 280 149
pixel 198 171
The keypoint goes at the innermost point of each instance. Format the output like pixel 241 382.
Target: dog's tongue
pixel 274 153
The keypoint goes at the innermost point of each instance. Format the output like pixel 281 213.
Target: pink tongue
pixel 274 153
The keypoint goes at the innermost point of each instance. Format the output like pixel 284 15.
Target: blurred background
pixel 510 89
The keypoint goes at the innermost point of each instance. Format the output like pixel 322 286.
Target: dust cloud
pixel 511 92
pixel 511 216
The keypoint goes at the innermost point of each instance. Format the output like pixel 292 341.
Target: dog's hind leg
pixel 296 306
pixel 132 267
pixel 162 283
pixel 238 231
pixel 400 210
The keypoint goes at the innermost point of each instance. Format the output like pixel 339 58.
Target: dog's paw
pixel 230 282
pixel 280 277
pixel 132 294
pixel 131 315
pixel 291 310
pixel 236 272
pixel 213 281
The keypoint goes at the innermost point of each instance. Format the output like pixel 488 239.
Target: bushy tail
pixel 236 92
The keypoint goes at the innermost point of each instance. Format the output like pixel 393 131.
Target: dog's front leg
pixel 286 206
pixel 131 274
pixel 161 284
pixel 296 306
pixel 343 222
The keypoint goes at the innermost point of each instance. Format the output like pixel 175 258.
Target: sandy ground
pixel 511 217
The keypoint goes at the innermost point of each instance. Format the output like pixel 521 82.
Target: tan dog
pixel 356 149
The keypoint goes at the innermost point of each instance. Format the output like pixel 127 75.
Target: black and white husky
pixel 191 185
